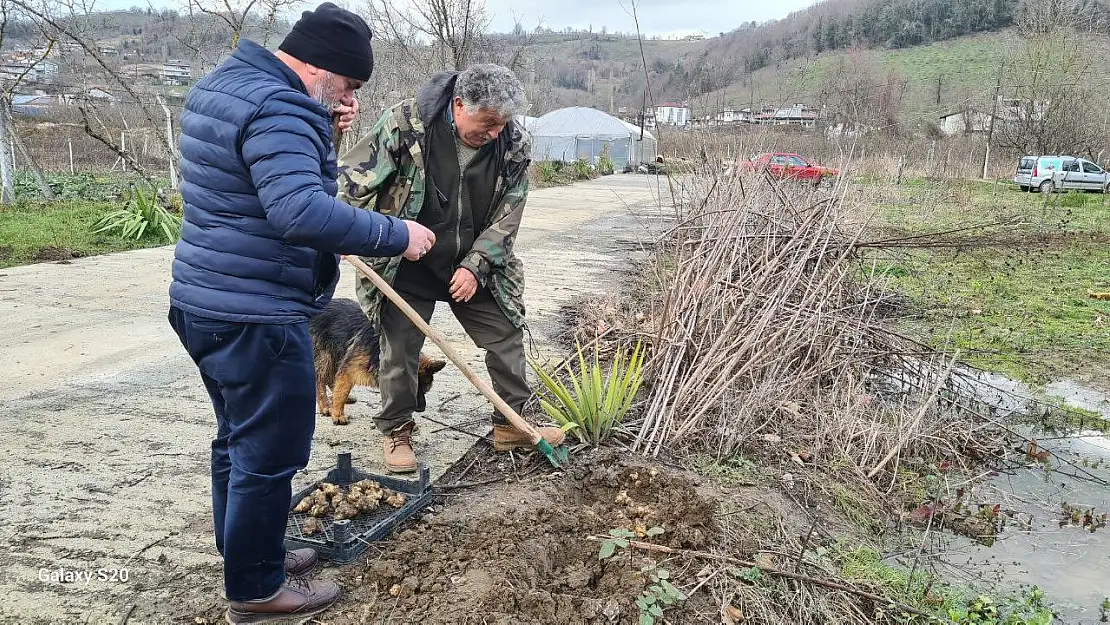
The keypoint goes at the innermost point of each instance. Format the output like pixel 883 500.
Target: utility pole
pixel 994 113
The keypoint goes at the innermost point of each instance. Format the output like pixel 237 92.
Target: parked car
pixel 785 165
pixel 1060 173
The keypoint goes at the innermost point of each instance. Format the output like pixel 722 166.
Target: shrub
pixel 141 216
pixel 594 402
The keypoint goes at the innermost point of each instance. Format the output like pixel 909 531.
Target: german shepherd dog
pixel 347 354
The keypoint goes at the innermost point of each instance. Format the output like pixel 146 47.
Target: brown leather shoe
pixel 294 602
pixel 506 437
pixel 397 450
pixel 300 561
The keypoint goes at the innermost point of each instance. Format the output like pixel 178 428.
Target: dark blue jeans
pixel 261 379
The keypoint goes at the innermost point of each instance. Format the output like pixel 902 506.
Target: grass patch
pixel 35 230
pixel 919 206
pixel 1023 312
pixel 30 230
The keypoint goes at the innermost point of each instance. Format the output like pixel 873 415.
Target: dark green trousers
pixel 401 342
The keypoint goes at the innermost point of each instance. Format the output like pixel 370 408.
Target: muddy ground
pixel 105 426
pixel 515 546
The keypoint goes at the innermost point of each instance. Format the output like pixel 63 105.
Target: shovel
pixel 556 456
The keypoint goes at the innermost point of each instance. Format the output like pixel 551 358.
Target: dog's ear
pixel 429 366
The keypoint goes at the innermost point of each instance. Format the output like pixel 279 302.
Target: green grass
pixel 920 206
pixel 31 224
pixel 1020 311
pixel 28 227
pixel 1015 299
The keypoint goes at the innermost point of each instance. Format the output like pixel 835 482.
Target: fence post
pixel 170 142
pixel 69 140
pixel 7 189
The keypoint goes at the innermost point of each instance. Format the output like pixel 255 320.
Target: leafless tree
pixel 857 95
pixel 445 32
pixel 1051 105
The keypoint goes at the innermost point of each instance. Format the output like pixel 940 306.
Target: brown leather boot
pixel 506 437
pixel 300 561
pixel 397 450
pixel 295 601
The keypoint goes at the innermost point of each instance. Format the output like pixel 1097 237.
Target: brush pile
pixel 766 325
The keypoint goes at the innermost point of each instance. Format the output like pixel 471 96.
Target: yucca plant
pixel 141 215
pixel 591 402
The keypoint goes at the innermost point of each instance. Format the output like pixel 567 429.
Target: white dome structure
pixel 580 133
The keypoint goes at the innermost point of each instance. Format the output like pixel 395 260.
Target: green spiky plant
pixel 142 215
pixel 591 402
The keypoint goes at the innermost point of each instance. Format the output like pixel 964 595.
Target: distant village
pixel 50 77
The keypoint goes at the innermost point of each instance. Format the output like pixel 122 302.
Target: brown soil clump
pixel 519 552
pixel 51 253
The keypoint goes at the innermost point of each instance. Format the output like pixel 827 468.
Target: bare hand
pixel 347 109
pixel 463 285
pixel 421 241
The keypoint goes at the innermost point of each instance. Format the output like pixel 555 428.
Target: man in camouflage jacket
pixel 453 160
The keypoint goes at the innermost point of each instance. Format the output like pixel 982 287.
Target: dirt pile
pixel 52 253
pixel 511 554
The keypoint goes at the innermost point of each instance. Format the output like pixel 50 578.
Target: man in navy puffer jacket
pixel 256 260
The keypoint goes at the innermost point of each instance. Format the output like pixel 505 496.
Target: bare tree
pixel 858 96
pixel 445 32
pixel 1052 106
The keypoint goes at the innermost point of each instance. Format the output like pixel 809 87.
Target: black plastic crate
pixel 341 541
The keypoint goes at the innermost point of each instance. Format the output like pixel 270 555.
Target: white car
pixel 1060 173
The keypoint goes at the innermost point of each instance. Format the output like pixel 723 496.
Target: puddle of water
pixel 1070 563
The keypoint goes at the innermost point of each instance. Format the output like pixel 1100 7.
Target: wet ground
pixel 1047 544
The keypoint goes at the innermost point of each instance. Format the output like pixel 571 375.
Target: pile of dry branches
pixel 767 322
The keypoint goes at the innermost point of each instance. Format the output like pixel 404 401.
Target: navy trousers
pixel 261 379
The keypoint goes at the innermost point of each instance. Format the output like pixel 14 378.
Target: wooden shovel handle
pixel 441 342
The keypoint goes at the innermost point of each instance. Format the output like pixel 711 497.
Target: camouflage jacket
pixel 385 172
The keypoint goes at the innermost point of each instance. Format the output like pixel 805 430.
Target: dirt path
pixel 104 425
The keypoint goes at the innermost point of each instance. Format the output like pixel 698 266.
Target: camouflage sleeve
pixel 369 164
pixel 494 246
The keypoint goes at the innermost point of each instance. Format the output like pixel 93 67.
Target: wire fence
pixel 58 143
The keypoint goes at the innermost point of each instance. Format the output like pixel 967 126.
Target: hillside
pixel 964 68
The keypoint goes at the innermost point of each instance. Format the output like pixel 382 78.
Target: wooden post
pixel 170 142
pixel 123 148
pixel 71 168
pixel 994 113
pixel 7 189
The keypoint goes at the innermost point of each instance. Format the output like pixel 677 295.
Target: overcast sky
pixel 657 17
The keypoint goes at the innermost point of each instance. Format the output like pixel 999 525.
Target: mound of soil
pixel 52 253
pixel 520 553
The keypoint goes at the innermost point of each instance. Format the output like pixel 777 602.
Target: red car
pixel 786 165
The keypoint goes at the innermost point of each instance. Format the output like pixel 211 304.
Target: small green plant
pixel 617 538
pixel 581 170
pixel 141 215
pixel 1104 611
pixel 1028 609
pixel 594 402
pixel 661 592
pixel 605 165
pixel 549 171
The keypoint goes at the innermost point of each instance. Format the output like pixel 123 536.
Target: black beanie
pixel 332 39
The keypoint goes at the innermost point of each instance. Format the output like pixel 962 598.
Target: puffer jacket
pixel 262 228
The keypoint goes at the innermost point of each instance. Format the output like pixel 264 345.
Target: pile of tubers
pixel 329 499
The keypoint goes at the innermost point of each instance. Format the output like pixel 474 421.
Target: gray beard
pixel 319 93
